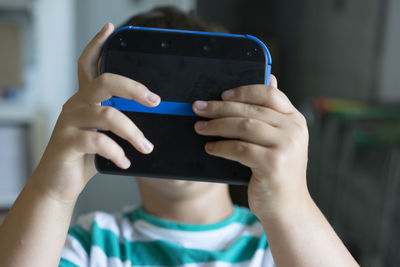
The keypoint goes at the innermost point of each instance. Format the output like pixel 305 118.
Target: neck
pixel 210 203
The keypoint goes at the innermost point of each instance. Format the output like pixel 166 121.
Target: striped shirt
pixel 136 238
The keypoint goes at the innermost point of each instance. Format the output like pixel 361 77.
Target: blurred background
pixel 337 60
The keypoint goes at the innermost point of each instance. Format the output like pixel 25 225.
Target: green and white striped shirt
pixel 136 238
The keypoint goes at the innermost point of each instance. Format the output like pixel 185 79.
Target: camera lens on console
pixel 164 44
pixel 206 48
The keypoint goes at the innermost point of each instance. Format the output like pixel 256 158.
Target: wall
pixel 338 48
pixel 389 83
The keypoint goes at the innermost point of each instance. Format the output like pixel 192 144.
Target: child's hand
pixel 67 164
pixel 269 135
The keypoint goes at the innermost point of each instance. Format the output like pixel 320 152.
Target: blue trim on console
pixel 165 107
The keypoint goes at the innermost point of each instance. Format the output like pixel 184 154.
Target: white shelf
pixel 21 109
pixel 16 113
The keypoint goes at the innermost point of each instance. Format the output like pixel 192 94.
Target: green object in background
pixel 370 125
pixel 349 109
pixel 381 134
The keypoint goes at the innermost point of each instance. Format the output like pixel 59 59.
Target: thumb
pixel 273 81
pixel 87 64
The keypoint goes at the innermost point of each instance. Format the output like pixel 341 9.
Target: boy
pixel 180 223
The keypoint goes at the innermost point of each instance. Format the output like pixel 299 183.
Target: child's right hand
pixel 68 162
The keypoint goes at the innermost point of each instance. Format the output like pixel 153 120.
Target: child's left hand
pixel 269 135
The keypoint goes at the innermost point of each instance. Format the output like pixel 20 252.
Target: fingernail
pixel 200 125
pixel 228 94
pixel 210 146
pixel 147 146
pixel 152 97
pixel 126 163
pixel 200 105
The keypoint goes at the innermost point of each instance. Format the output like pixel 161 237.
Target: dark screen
pixel 184 78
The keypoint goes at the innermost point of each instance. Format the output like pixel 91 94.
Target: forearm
pixel 34 231
pixel 301 236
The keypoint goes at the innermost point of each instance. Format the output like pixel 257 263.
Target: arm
pixel 35 229
pixel 270 136
pixel 301 236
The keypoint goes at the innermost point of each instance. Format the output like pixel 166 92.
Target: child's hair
pixel 169 17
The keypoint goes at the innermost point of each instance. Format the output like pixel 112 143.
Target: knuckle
pixel 242 148
pixel 246 151
pixel 103 78
pixel 246 124
pixel 107 113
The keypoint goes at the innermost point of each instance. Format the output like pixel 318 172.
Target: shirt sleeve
pixel 77 245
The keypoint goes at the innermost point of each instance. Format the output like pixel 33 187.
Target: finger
pixel 245 129
pixel 87 63
pixel 273 81
pixel 91 142
pixel 110 119
pixel 248 154
pixel 109 84
pixel 222 109
pixel 259 94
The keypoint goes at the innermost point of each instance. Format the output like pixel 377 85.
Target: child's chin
pixel 170 182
